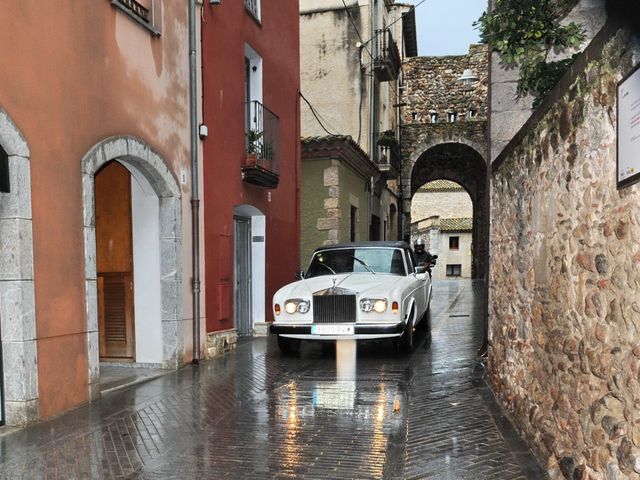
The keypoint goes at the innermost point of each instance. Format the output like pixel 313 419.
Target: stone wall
pixel 431 85
pixel 564 316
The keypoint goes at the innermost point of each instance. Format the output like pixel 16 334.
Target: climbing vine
pixel 526 33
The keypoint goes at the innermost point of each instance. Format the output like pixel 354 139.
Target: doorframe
pixel 258 265
pixel 17 294
pixel 135 154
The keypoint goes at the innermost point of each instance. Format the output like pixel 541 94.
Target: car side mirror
pixel 421 269
pixel 299 275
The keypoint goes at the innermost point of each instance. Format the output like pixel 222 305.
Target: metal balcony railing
pixel 262 133
pixel 387 62
pixel 390 161
pixel 137 9
pixel 253 7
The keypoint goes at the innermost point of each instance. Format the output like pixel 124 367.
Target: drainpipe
pixel 195 194
pixel 372 108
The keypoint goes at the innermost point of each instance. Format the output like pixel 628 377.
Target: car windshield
pixel 357 260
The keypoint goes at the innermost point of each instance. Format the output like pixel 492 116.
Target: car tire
pixel 289 346
pixel 405 342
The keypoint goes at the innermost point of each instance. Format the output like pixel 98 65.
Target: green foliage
pixel 387 139
pixel 525 32
pixel 254 141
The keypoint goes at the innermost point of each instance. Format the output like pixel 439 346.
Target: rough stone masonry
pixel 565 276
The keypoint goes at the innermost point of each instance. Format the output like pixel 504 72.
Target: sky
pixel 444 27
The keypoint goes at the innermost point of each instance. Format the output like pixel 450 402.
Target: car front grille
pixel 334 308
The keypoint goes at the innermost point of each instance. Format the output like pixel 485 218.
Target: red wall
pixel 225 30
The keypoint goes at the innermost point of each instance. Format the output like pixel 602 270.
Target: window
pixel 253 97
pixel 454 270
pixel 146 12
pixel 471 113
pixel 452 117
pixel 4 171
pixel 253 6
pixel 454 243
pixel 353 236
pixel 433 116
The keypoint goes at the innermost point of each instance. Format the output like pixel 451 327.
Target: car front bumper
pixel 361 331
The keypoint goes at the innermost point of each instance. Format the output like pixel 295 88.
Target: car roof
pixel 373 244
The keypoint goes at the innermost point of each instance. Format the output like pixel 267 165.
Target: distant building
pixel 445 226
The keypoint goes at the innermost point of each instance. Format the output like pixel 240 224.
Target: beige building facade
pixel 351 54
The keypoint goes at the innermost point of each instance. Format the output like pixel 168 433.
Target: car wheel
pixel 405 342
pixel 289 346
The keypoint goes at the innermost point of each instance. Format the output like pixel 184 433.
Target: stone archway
pixel 461 163
pixel 17 297
pixel 139 158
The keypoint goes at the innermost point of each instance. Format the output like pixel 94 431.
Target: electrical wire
pixel 316 115
pixel 364 44
pixel 395 21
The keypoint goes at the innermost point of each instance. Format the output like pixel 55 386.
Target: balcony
pixel 262 162
pixel 390 162
pixel 387 62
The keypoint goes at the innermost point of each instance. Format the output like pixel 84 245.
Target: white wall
pixel 462 256
pixel 145 208
pixel 258 260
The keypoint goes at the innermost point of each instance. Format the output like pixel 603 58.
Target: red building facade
pixel 251 84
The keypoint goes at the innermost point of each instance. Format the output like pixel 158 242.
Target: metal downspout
pixel 195 194
pixel 372 110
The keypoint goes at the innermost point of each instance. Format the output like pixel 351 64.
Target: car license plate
pixel 332 329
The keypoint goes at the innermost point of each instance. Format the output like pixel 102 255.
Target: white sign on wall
pixel 628 171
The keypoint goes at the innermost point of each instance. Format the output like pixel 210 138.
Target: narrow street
pixel 257 414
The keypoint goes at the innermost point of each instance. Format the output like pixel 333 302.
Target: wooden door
pixel 114 262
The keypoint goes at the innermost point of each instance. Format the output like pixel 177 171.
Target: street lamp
pixel 467 77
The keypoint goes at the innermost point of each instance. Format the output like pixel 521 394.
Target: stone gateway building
pixel 444 121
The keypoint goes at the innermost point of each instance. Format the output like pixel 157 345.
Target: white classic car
pixel 362 291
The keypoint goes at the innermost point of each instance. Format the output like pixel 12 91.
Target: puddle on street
pixel 346 351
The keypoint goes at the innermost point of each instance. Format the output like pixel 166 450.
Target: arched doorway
pixel 249 270
pixel 145 290
pixel 464 165
pixel 18 351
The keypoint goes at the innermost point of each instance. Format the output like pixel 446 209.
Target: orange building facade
pixel 95 225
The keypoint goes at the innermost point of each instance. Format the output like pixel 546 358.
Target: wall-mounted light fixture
pixel 467 77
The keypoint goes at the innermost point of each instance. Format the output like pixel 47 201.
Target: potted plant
pixel 254 146
pixel 387 139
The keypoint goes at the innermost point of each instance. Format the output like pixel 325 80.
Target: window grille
pixel 254 7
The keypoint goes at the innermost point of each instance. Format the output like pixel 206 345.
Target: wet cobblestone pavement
pixel 257 414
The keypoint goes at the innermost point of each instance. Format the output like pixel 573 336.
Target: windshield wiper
pixel 364 264
pixel 328 267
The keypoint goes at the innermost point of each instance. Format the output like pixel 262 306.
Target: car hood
pixel 359 283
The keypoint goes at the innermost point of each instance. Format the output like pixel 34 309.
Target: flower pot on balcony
pixel 251 160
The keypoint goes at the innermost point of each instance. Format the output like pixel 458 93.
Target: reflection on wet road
pixel 257 414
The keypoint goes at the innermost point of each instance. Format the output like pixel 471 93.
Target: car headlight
pixel 297 305
pixel 373 304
